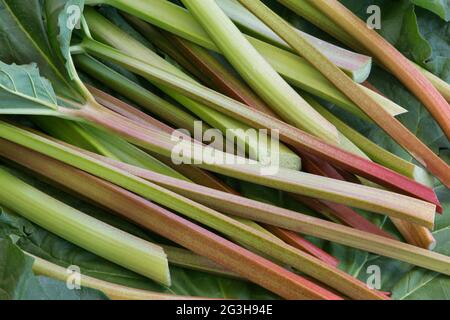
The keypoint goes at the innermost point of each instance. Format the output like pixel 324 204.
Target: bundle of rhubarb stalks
pixel 92 94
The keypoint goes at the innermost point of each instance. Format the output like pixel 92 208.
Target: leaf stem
pixel 113 291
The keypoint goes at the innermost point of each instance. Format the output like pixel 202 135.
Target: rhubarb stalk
pixel 356 65
pixel 111 34
pixel 269 214
pixel 391 58
pixel 293 68
pixel 391 125
pixel 91 234
pixel 114 291
pixel 76 180
pixel 288 134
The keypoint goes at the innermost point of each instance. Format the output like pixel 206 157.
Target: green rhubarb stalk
pixel 288 134
pixel 77 181
pixel 91 234
pixel 258 73
pixel 293 68
pixel 160 40
pixel 391 58
pixel 288 219
pixel 391 125
pixel 308 11
pixel 102 29
pixel 191 56
pixel 129 89
pixel 114 291
pixel 357 66
pixel 442 86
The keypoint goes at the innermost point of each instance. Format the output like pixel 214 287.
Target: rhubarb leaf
pixel 26 39
pixel 420 284
pixel 64 16
pixel 437 33
pixel 17 281
pixel 24 91
pixel 395 274
pixel 440 7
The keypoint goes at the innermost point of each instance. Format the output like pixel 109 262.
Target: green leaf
pixel 25 39
pixel 440 7
pixel 437 33
pixel 63 17
pixel 420 284
pixel 24 91
pixel 18 282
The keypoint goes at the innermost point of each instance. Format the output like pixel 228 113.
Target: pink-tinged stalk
pixel 236 89
pixel 290 220
pixel 155 218
pixel 391 58
pixel 205 179
pixel 301 243
pixel 343 213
